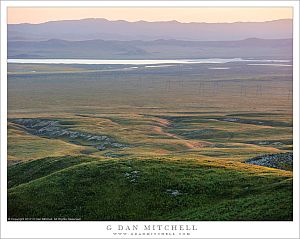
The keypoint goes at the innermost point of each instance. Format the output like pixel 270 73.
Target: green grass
pixel 177 140
pixel 39 168
pixel 98 189
pixel 24 146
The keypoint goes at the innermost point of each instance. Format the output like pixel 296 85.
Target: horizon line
pixel 139 21
pixel 160 39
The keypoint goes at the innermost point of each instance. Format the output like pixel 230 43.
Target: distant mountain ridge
pixel 157 49
pixel 89 29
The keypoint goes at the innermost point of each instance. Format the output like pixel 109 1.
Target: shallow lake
pixel 137 62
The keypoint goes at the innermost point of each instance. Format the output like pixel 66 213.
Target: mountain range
pixel 158 49
pixel 89 29
pixel 104 39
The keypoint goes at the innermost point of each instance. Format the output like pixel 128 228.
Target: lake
pixel 138 62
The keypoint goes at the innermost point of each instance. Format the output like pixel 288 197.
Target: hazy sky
pixel 229 14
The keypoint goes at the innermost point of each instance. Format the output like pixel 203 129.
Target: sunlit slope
pixel 161 188
pixel 211 135
pixel 25 146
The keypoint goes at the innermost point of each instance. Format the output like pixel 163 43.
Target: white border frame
pixel 98 229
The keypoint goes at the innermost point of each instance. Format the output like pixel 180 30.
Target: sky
pixel 200 14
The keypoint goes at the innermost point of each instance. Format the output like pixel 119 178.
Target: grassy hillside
pixel 101 142
pixel 160 188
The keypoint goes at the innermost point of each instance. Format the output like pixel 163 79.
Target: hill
pixel 160 188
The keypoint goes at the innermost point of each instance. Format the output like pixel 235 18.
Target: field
pixel 155 142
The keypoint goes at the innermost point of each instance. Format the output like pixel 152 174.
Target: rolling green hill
pixel 161 188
